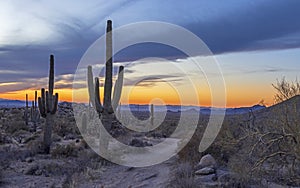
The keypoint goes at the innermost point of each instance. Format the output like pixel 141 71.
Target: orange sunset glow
pixel 236 97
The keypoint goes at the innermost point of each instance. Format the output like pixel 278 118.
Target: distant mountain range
pixel 195 109
pixel 6 103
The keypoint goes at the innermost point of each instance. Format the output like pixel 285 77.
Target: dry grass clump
pixel 184 176
pixel 17 125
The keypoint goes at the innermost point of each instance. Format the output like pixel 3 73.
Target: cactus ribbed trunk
pixel 48 132
pixel 108 69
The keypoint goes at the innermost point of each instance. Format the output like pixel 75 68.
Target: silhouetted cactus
pixel 48 107
pixel 152 114
pixel 108 68
pixel 110 103
pixel 26 111
pixel 34 113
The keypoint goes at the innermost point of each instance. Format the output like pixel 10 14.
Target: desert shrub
pixel 190 153
pixel 35 146
pixel 16 111
pixel 271 149
pixel 55 168
pixel 65 126
pixel 226 143
pixel 64 151
pixel 71 181
pixel 285 90
pixel 241 169
pixel 16 126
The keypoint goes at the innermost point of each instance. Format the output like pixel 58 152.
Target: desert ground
pixel 259 148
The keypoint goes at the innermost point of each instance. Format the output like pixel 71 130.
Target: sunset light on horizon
pixel 251 49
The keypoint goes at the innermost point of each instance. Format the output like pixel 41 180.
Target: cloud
pixel 252 28
pixel 33 30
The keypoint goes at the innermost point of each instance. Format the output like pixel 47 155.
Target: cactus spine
pixel 48 107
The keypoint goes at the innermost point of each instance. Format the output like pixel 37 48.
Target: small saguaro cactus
pixel 152 114
pixel 34 113
pixel 26 111
pixel 48 107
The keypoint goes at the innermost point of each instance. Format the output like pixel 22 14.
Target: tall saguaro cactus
pixel 48 107
pixel 109 102
pixel 109 68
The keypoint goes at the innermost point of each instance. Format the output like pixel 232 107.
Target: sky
pixel 254 43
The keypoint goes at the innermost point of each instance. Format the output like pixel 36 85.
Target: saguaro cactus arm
pixel 98 104
pixel 35 115
pixel 41 101
pixel 54 103
pixel 118 88
pixel 90 81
